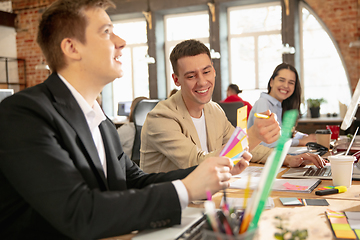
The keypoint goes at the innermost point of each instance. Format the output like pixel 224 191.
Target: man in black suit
pixel 63 173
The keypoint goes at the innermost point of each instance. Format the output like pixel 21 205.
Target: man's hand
pixel 304 159
pixel 264 130
pixel 242 164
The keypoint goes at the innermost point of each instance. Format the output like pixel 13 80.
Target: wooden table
pixel 311 218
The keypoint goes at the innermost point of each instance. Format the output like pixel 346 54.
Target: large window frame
pixel 111 97
pixel 170 44
pixel 327 108
pixel 252 94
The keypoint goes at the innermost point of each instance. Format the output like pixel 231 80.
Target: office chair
pixel 140 112
pixel 230 109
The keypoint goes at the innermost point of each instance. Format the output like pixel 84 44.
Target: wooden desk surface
pixel 311 218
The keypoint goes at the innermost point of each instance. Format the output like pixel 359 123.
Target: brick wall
pixel 29 13
pixel 340 16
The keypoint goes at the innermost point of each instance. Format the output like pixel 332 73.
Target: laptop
pixel 311 171
pixel 192 221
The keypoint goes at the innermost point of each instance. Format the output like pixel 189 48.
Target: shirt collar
pixel 271 99
pixel 94 115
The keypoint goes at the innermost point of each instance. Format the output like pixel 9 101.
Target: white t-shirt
pixel 200 126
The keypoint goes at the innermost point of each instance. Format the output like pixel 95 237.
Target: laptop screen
pixel 351 110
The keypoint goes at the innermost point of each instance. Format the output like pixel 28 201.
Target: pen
pixel 259 115
pixel 338 189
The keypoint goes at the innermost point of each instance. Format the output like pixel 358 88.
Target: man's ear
pixel 69 48
pixel 176 80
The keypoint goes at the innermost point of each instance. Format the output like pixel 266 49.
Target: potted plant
pixel 314 106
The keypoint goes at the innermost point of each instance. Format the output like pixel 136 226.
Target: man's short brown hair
pixel 64 19
pixel 185 49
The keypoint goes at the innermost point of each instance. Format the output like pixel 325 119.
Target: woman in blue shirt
pixel 284 92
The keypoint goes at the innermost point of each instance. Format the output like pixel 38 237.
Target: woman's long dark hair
pixel 292 102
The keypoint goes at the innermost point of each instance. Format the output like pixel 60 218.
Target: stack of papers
pixel 288 185
pixel 253 171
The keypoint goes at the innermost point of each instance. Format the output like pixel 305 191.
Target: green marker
pixel 272 167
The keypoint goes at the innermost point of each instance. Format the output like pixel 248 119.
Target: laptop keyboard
pixel 314 171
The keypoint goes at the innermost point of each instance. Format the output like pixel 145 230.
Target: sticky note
pixel 242 117
pixel 295 187
pixel 291 201
pixel 357 231
pixel 338 220
pixel 338 226
pixel 316 202
pixel 347 234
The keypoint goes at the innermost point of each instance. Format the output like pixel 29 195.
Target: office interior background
pixel 247 38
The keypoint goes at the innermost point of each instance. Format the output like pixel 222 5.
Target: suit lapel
pixel 186 116
pixel 210 121
pixel 70 110
pixel 115 173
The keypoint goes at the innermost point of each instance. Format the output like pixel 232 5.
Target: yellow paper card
pixel 242 117
pixel 347 234
pixel 357 231
pixel 339 226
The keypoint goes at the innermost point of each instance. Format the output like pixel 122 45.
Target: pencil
pixel 259 115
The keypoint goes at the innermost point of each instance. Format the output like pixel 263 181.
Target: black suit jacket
pixel 52 185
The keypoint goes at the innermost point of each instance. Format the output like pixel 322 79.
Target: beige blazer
pixel 170 141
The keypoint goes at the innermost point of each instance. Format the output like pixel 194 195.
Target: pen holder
pixel 210 235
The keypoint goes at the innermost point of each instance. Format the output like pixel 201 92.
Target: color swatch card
pixel 340 224
pixel 236 145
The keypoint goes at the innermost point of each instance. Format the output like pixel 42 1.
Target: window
pixel 135 81
pixel 254 47
pixel 323 74
pixel 177 29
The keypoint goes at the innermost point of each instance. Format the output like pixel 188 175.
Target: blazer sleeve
pixel 169 136
pixel 260 153
pixel 50 175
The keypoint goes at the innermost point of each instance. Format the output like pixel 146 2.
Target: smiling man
pixel 63 173
pixel 187 128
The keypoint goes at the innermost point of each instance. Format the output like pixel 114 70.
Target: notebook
pixel 287 185
pixel 311 171
pixel 192 220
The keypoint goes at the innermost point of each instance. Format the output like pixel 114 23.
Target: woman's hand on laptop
pixel 304 159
